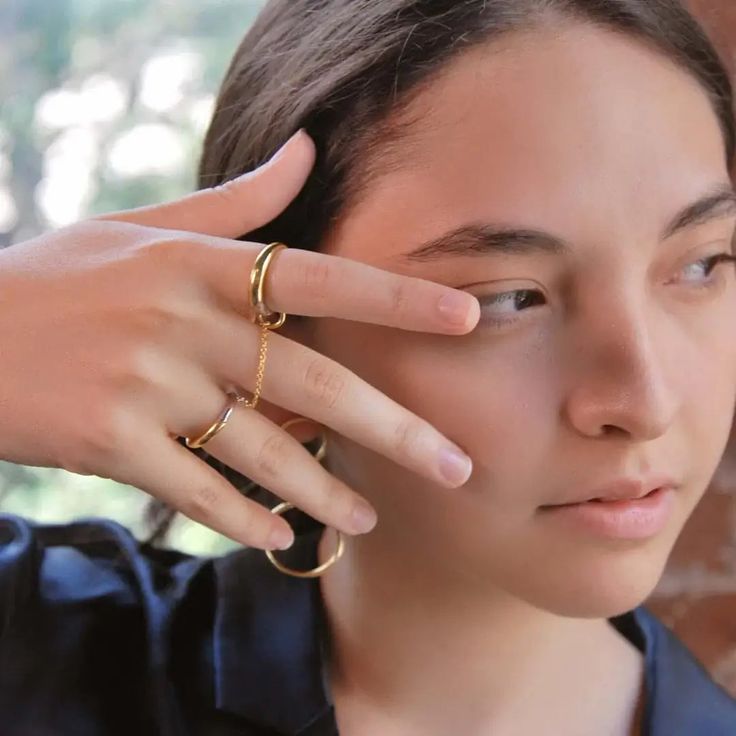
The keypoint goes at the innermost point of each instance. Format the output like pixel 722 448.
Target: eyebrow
pixel 485 238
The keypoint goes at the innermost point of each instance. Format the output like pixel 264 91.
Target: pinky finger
pixel 175 475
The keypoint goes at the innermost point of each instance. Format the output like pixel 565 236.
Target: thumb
pixel 236 206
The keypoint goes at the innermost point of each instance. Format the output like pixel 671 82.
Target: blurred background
pixel 103 106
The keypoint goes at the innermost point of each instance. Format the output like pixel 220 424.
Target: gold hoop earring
pixel 323 446
pixel 285 506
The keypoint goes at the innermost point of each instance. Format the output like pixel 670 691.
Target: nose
pixel 621 379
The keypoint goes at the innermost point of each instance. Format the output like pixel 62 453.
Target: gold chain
pixel 266 320
pixel 261 368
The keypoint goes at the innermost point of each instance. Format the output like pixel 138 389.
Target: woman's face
pixel 614 358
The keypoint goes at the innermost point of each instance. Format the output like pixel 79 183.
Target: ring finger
pixel 260 450
pixel 270 456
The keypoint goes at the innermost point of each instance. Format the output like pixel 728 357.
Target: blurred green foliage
pixel 103 107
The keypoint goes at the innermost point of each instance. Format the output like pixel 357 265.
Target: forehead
pixel 577 130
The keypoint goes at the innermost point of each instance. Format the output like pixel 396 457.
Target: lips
pixel 614 500
pixel 623 489
pixel 630 520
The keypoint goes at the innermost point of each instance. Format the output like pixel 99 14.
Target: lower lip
pixel 630 519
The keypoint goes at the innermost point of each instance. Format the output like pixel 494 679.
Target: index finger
pixel 317 284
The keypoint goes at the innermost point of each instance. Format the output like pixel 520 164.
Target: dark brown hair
pixel 347 71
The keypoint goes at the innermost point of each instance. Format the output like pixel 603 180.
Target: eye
pixel 708 265
pixel 508 305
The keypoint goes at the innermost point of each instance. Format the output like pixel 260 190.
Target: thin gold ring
pixel 217 426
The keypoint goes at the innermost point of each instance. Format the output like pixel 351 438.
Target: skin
pixel 473 612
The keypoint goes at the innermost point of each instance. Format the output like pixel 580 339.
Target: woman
pixel 564 162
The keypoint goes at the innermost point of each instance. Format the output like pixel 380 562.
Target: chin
pixel 604 591
pixel 580 577
pixel 594 584
pixel 598 604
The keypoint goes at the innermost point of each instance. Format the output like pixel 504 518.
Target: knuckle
pixel 139 369
pixel 271 456
pixel 202 503
pixel 224 192
pixel 335 499
pixel 164 314
pixel 229 202
pixel 170 248
pixel 155 319
pixel 164 263
pixel 250 528
pixel 323 384
pixel 399 296
pixel 317 275
pixel 407 436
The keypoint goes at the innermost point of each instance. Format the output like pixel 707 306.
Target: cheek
pixel 708 379
pixel 718 342
pixel 728 350
pixel 498 402
pixel 708 420
pixel 501 400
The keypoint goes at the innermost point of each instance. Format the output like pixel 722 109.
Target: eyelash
pixel 710 261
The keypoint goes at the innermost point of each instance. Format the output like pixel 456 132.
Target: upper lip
pixel 623 489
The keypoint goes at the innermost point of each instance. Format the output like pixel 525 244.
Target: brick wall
pixel 697 595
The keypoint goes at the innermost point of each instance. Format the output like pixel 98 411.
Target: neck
pixel 421 649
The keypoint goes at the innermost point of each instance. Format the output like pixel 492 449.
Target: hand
pixel 120 333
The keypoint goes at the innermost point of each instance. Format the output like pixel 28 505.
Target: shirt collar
pixel 268 664
pixel 269 649
pixel 682 697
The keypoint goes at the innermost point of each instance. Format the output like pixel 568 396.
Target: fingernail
pixel 280 538
pixel 283 147
pixel 455 307
pixel 455 465
pixel 363 518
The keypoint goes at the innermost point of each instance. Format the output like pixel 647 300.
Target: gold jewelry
pixel 257 281
pixel 315 571
pixel 263 317
pixel 285 506
pixel 323 446
pixel 217 425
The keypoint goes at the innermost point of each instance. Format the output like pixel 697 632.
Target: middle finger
pixel 312 385
pixel 317 284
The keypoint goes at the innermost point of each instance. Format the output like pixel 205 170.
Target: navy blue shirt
pixel 101 634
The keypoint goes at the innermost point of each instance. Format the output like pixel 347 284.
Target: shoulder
pixel 92 560
pixel 85 612
pixel 683 696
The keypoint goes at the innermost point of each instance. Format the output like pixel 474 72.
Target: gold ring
pixel 217 425
pixel 257 278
